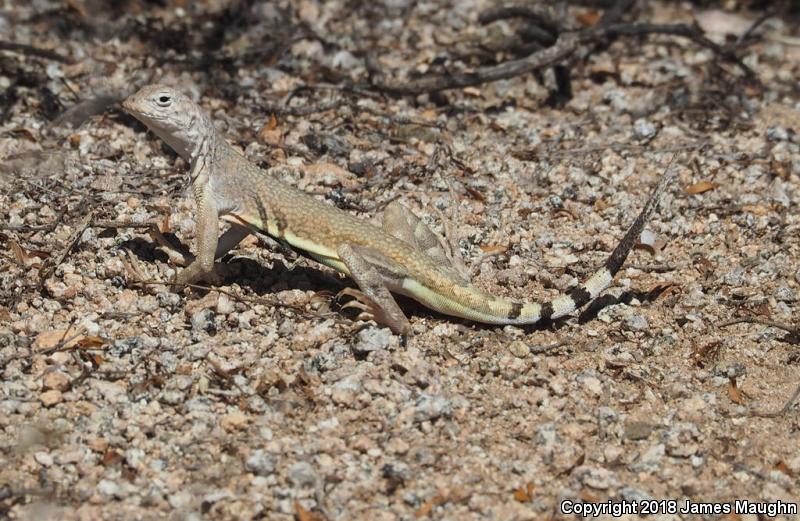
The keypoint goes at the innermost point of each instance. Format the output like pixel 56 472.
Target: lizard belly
pixel 319 252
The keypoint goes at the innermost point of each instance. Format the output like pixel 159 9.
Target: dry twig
pixel 30 50
pixel 794 331
pixel 566 44
pixel 783 410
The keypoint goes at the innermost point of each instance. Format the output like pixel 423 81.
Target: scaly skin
pixel 404 257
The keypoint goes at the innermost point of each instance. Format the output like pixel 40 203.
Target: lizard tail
pixel 589 290
pixel 473 304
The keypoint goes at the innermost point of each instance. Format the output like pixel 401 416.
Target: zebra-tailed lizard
pixel 403 256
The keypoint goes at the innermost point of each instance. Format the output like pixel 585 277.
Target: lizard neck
pixel 208 146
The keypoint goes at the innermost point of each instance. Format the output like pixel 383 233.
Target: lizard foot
pixel 369 310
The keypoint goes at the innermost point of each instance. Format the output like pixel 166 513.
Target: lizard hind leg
pixel 374 299
pixel 400 222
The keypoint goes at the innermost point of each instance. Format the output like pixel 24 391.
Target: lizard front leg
pixel 372 282
pixel 207 237
pixel 227 241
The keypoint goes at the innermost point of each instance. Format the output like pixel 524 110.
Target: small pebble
pixel 50 398
pixel 202 320
pixel 430 407
pixel 372 339
pixel 233 421
pixel 777 134
pixel 636 323
pixel 55 380
pixel 302 474
pixel 592 385
pixel 43 458
pixel 519 349
pixel 786 294
pixel 261 463
pixel 643 129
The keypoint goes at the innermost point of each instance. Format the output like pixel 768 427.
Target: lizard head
pixel 172 115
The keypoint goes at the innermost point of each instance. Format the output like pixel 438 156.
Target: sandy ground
pixel 262 399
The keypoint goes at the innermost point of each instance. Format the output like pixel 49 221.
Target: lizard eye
pixel 164 100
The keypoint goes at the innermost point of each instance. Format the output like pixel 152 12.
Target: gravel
pixel 122 397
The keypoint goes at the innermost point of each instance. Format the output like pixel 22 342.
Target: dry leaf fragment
pixel 589 18
pixel 492 249
pixel 20 254
pixel 111 457
pixel 273 123
pixel 699 188
pixel 55 337
pixel 756 209
pixel 90 341
pixel 426 507
pixel 77 7
pixel 475 194
pixel 662 288
pixel 24 133
pixel 781 466
pixel 27 258
pixel 304 515
pixel 524 494
pixel 734 393
pixel 429 115
pixel 270 133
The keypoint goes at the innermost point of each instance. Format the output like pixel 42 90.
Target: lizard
pixel 403 256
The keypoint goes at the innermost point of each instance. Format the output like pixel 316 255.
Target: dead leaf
pixel 426 507
pixel 24 133
pixel 304 515
pixel 110 457
pixel 429 115
pixel 589 18
pixel 524 494
pixel 699 188
pixel 20 254
pixel 89 341
pixel 781 466
pixel 273 123
pixel 492 249
pixel 475 194
pixel 703 356
pixel 756 209
pixel 734 393
pixel 763 309
pixel 53 338
pixel 718 22
pixel 322 170
pixel 601 204
pixel 704 266
pixel 165 225
pixel 564 212
pixel 662 288
pixel 270 133
pixel 77 7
